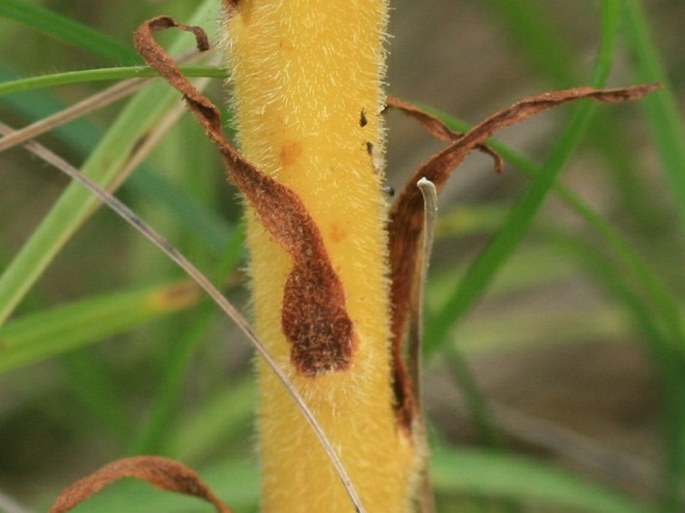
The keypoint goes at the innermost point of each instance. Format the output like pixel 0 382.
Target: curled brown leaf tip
pixel 143 35
pixel 162 473
pixel 431 123
pixel 406 215
pixel 314 318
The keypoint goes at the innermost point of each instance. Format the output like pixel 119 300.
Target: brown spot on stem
pixel 406 215
pixel 322 334
pixel 313 317
pixel 160 472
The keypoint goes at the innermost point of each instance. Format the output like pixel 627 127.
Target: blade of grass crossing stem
pixel 99 75
pixel 485 267
pixel 148 181
pixel 661 107
pixel 76 204
pixel 68 31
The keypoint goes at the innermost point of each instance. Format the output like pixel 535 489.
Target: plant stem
pixel 306 76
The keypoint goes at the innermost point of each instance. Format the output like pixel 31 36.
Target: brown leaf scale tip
pixel 314 319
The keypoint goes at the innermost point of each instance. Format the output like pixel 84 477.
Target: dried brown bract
pixel 160 472
pixel 314 318
pixel 406 215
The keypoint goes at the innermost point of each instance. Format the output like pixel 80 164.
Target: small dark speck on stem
pixel 362 119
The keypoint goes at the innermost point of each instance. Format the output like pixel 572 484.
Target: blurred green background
pixel 555 342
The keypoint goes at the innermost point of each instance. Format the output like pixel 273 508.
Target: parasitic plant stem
pixel 306 77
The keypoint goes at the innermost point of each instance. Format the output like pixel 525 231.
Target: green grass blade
pixel 489 474
pixel 48 333
pixel 99 75
pixel 532 28
pixel 198 435
pixel 659 316
pixel 68 31
pixel 484 269
pixel 152 435
pixel 148 181
pixel 199 220
pixel 669 363
pixel 76 204
pixel 661 107
pixel 502 246
pixel 664 303
pixel 101 398
pixel 488 431
pixel 529 25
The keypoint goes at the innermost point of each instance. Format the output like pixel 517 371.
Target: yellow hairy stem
pixel 306 77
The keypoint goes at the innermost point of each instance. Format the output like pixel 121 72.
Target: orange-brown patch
pixel 336 232
pixel 286 45
pixel 290 153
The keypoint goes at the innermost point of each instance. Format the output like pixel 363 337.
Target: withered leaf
pixel 160 472
pixel 406 215
pixel 313 317
pixel 437 128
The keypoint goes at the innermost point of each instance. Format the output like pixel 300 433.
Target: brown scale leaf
pixel 313 317
pixel 437 128
pixel 162 473
pixel 406 215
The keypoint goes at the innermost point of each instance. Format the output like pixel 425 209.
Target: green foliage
pixel 90 352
